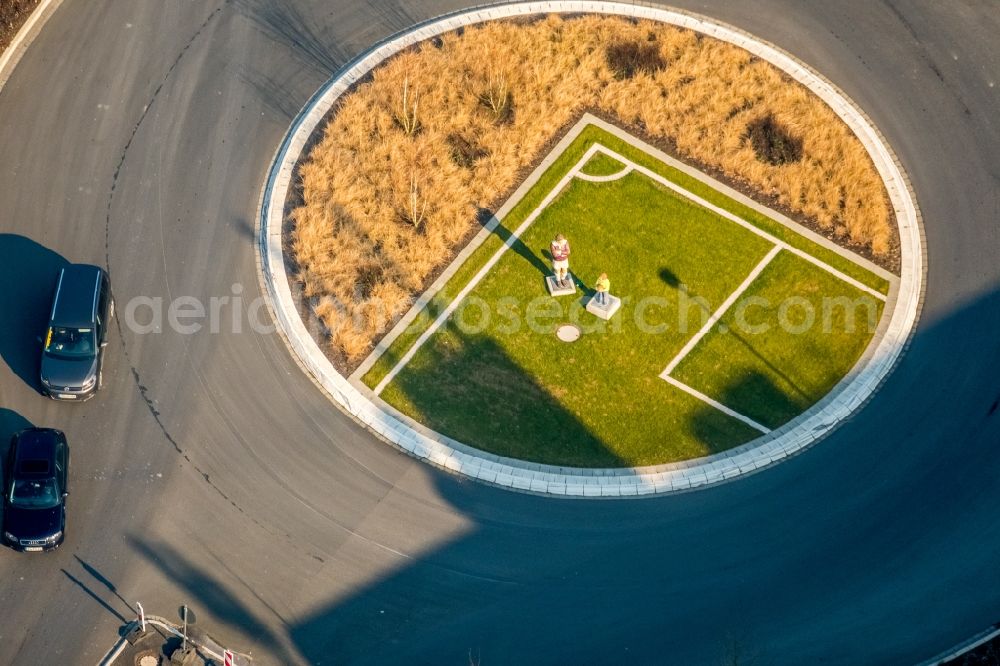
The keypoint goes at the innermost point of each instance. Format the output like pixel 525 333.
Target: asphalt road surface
pixel 211 471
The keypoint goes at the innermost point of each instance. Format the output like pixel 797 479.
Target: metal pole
pixel 185 638
pixel 142 616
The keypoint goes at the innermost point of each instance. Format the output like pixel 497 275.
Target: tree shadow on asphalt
pixel 283 85
pixel 546 580
pixel 277 93
pixel 28 273
pixel 565 595
pixel 289 26
pixel 284 24
pixel 244 227
pixel 208 591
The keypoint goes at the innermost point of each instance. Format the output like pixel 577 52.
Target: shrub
pixel 465 151
pixel 12 15
pixel 626 59
pixel 498 99
pixel 772 142
pixel 413 206
pixel 12 10
pixel 746 105
pixel 406 110
pixel 369 277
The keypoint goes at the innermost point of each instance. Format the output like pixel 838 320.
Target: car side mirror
pixel 66 494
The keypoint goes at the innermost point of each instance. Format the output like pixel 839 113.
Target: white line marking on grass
pixel 740 221
pixel 833 271
pixel 742 199
pixel 576 172
pixel 718 405
pixel 606 179
pixel 717 315
pixel 514 237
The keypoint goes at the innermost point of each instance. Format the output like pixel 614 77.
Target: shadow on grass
pixel 808 400
pixel 771 406
pixel 475 393
pixel 757 380
pixel 669 277
pixel 518 246
pixel 28 273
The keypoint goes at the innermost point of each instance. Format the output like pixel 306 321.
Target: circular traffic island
pixel 590 253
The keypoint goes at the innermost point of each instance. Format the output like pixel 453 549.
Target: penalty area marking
pixel 714 403
pixel 712 321
pixel 717 315
pixel 606 179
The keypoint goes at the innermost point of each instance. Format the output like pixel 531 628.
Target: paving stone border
pixel 905 297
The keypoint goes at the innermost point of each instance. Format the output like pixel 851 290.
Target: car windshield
pixel 34 493
pixel 70 341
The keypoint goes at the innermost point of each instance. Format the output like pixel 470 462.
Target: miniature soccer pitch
pixel 731 322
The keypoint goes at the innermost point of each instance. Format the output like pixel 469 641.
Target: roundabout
pixel 211 471
pixel 704 441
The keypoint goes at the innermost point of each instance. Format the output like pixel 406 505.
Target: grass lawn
pixel 496 377
pixel 772 373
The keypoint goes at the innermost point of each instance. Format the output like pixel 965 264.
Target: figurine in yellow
pixel 602 288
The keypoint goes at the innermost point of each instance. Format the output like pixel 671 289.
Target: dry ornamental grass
pixel 444 129
pixel 13 14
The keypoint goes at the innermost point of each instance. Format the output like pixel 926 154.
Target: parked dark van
pixel 35 490
pixel 73 348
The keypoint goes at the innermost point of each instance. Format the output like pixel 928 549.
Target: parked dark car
pixel 35 490
pixel 73 349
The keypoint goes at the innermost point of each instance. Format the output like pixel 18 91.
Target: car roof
pixel 36 444
pixel 75 303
